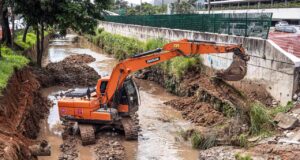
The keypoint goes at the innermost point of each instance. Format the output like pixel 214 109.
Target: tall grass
pixel 203 142
pixel 119 46
pixel 9 61
pixel 123 47
pixel 260 118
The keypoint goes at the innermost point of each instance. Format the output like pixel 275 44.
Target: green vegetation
pixel 238 156
pixel 202 142
pixel 122 47
pixel 243 140
pixel 260 119
pixel 9 61
pixel 123 8
pixel 30 39
pixel 281 108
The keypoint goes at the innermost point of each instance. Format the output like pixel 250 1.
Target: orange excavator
pixel 115 98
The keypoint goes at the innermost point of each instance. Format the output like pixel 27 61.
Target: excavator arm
pixel 236 71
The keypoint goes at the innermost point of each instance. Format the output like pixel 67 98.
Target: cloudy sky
pixel 138 1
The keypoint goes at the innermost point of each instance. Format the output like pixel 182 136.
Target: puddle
pixel 157 140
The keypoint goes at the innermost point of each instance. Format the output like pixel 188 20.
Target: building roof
pixel 287 41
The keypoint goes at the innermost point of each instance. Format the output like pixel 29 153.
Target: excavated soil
pixel 21 108
pixel 72 71
pixel 108 146
pixel 200 113
pixel 205 99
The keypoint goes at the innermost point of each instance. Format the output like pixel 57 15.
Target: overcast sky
pixel 138 1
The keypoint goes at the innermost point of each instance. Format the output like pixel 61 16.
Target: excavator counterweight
pixel 115 98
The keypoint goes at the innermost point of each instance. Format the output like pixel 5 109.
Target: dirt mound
pixel 73 70
pixel 200 113
pixel 79 58
pixel 109 147
pixel 21 108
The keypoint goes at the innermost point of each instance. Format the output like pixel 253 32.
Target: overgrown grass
pixel 122 47
pixel 261 120
pixel 30 39
pixel 119 46
pixel 9 61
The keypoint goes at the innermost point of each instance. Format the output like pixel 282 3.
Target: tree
pixel 146 9
pixel 183 7
pixel 6 35
pixel 79 15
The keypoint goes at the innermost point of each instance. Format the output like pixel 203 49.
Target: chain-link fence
pixel 241 24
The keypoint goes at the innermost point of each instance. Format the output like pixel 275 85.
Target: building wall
pixel 267 65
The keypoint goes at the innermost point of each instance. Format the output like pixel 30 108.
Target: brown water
pixel 159 123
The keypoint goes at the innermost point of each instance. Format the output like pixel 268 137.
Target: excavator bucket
pixel 237 69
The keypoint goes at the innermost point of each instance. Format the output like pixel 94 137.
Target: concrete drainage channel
pixel 159 123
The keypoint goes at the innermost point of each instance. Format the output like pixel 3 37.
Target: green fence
pixel 241 24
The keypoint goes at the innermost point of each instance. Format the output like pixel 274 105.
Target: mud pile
pixel 73 70
pixel 21 108
pixel 200 113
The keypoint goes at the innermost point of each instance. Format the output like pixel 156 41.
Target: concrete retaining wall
pixel 268 66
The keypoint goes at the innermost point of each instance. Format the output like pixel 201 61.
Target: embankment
pixel 21 108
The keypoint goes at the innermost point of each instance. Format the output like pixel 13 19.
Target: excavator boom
pixel 236 71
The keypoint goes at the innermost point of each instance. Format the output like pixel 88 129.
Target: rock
pixel 296 136
pixel 254 139
pixel 296 111
pixel 274 103
pixel 295 97
pixel 286 121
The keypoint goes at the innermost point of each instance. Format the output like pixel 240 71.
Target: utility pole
pixel 208 6
pixel 141 7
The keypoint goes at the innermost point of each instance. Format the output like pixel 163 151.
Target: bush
pixel 9 61
pixel 260 119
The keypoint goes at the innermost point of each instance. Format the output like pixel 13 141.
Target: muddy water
pixel 159 123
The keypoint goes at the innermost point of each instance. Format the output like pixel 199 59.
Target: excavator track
pixel 87 133
pixel 130 128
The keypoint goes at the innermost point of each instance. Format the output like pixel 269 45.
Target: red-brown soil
pixel 200 113
pixel 21 108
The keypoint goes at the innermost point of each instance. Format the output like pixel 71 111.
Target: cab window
pixel 103 87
